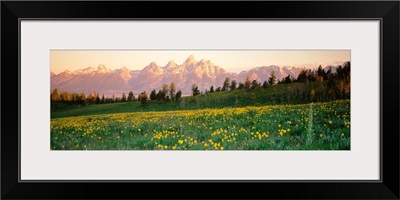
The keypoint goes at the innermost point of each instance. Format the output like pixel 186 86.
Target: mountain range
pixel 203 73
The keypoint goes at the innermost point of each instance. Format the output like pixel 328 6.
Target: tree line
pixel 321 85
pixel 81 98
pixel 167 93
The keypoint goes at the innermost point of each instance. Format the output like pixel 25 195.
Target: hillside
pixel 294 93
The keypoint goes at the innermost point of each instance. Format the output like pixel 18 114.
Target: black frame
pixel 387 12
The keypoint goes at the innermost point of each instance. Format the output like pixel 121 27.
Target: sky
pixel 230 60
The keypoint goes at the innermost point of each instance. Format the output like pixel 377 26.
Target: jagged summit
pixel 190 59
pixel 102 69
pixel 171 64
pixel 153 64
pixel 203 73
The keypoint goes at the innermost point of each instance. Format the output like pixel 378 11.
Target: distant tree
pixel 233 85
pixel 328 74
pixel 63 96
pixel 320 71
pixel 95 96
pixel 247 84
pixel 339 72
pixel 218 89
pixel 123 99
pixel 165 89
pixel 82 98
pixel 346 72
pixel 302 77
pixel 143 98
pixel 160 96
pixel 90 98
pixel 113 99
pixel 331 84
pixel 272 78
pixel 212 89
pixel 131 97
pixel 97 99
pixel 178 95
pixel 153 95
pixel 195 90
pixel 226 84
pixel 172 89
pixel 255 85
pixel 288 79
pixel 265 84
pixel 75 97
pixel 241 86
pixel 311 75
pixel 102 99
pixel 70 97
pixel 55 96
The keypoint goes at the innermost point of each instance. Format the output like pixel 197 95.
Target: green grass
pixel 280 117
pixel 317 126
pixel 276 94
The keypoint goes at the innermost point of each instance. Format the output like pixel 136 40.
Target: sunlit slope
pixel 293 93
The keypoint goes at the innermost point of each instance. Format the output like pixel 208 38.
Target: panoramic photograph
pixel 200 100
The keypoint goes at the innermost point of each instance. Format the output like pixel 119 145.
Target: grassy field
pixel 276 94
pixel 200 124
pixel 236 98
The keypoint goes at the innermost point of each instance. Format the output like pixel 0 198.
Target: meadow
pixel 268 126
pixel 294 93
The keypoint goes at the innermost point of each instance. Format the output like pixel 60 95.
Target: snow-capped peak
pixel 102 69
pixel 67 72
pixel 203 61
pixel 171 64
pixel 87 70
pixel 122 70
pixel 154 68
pixel 190 60
pixel 152 65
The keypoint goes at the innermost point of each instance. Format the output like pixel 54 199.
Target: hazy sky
pixel 232 61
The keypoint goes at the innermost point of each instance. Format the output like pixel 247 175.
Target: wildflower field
pixel 313 126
